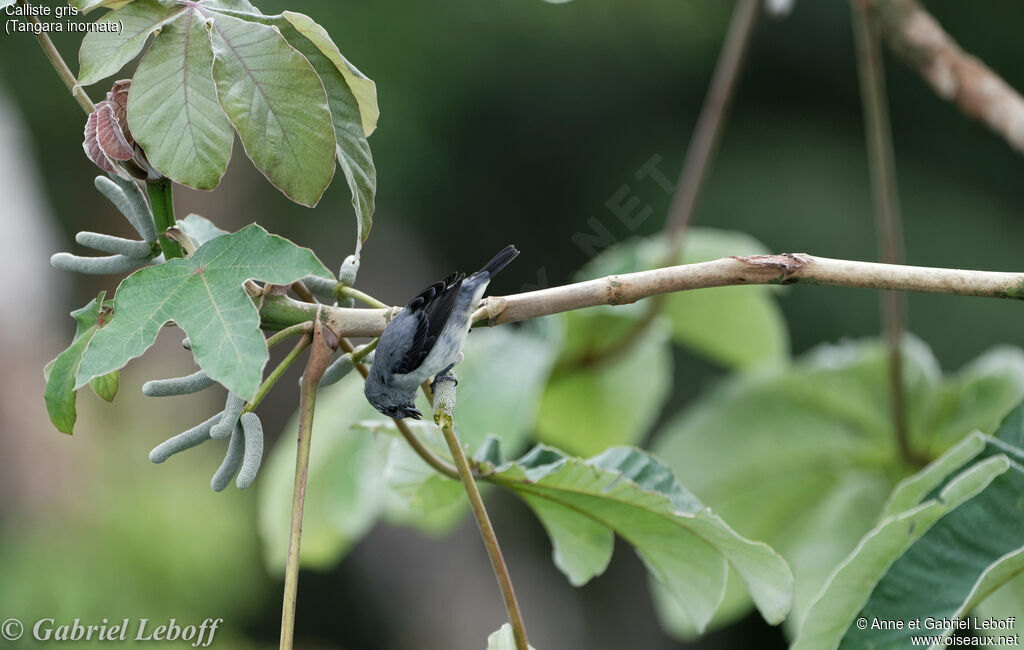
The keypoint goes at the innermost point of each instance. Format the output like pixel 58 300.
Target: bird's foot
pixel 444 375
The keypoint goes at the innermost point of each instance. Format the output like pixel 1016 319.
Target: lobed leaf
pixel 203 295
pixel 61 372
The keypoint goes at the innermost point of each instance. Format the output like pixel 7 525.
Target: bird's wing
pixel 430 310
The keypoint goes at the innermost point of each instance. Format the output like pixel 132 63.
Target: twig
pixel 57 62
pixel 703 144
pixel 785 268
pixel 272 378
pixel 443 418
pixel 708 129
pixel 348 292
pixel 288 332
pixel 955 75
pixel 319 357
pixel 881 158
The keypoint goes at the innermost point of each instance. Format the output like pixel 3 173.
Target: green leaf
pixel 104 53
pixel 362 87
pixel 85 6
pixel 353 101
pixel 106 386
pixel 199 229
pixel 277 104
pixel 615 401
pixel 61 372
pixel 932 559
pixel 503 639
pixel 738 327
pixel 344 490
pixel 203 295
pixel 684 545
pixel 172 105
pixel 817 436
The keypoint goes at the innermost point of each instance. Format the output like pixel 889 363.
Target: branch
pixel 786 268
pixel 956 76
pixel 882 164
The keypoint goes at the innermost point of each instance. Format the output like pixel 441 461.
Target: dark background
pixel 510 121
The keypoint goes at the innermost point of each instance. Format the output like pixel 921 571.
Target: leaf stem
pixel 348 292
pixel 62 69
pixel 483 522
pixel 319 358
pixel 288 332
pixel 271 379
pixel 161 199
pixel 881 161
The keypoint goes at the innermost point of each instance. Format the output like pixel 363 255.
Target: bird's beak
pixel 412 412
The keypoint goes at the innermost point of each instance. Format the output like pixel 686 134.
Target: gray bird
pixel 425 339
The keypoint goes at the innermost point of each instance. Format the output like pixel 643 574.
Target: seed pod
pixel 96 265
pixel 129 200
pixel 186 385
pixel 115 245
pixel 348 271
pixel 322 288
pixel 187 440
pixel 232 409
pixel 253 433
pixel 232 461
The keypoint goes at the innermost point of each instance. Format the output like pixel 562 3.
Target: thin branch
pixel 444 419
pixel 288 332
pixel 888 224
pixel 63 71
pixel 708 129
pixel 348 292
pixel 955 75
pixel 785 268
pixel 272 378
pixel 319 358
pixel 703 144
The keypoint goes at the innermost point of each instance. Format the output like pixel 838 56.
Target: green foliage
pixel 737 327
pixel 611 401
pixel 60 392
pixel 174 112
pixel 280 81
pixel 203 295
pixel 915 563
pixel 818 438
pixel 106 386
pixel 686 547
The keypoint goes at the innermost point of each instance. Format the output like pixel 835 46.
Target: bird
pixel 425 339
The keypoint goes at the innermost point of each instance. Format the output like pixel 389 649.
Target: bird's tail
pixel 498 262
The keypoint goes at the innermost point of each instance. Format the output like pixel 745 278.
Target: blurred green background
pixel 501 122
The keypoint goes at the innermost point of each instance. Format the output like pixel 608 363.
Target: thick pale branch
pixel 954 74
pixel 787 268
